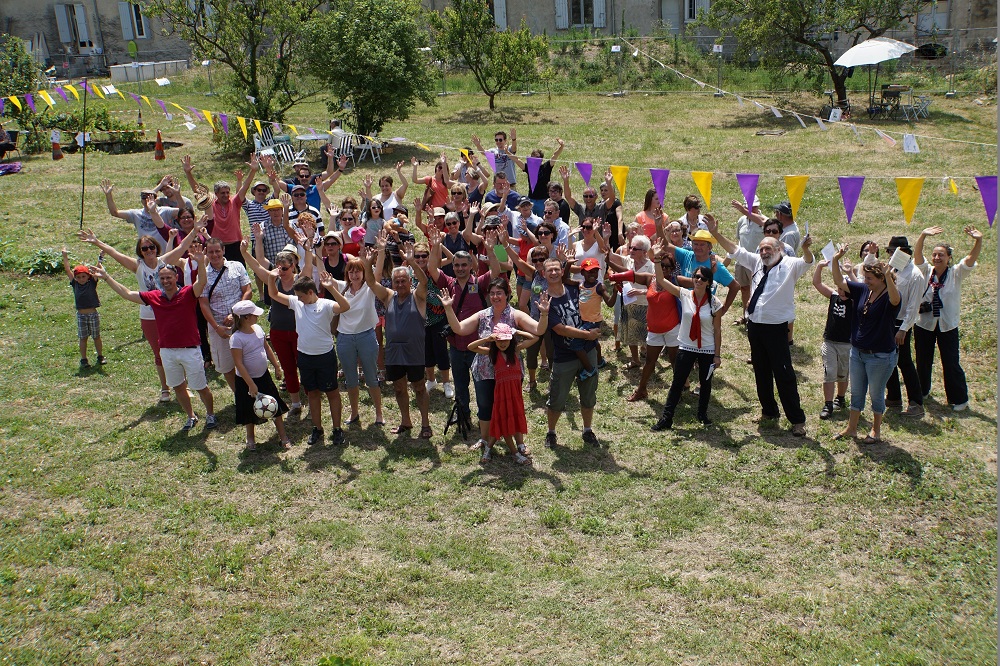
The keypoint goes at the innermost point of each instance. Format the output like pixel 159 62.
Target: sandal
pixel 352 421
pixel 426 432
pixel 401 429
pixel 286 444
pixel 633 365
pixel 871 440
pixel 479 444
pixel 637 396
pixel 165 395
pixel 251 446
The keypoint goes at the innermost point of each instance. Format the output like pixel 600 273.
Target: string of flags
pixel 908 188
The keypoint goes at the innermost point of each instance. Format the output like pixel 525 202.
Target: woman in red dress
pixel 508 419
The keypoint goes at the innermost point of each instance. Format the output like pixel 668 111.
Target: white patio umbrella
pixel 873 52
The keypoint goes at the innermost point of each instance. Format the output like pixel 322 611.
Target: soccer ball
pixel 264 406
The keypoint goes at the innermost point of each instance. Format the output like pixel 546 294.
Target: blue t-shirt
pixel 566 310
pixel 875 323
pixel 686 265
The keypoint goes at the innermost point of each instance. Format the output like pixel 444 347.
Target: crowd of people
pixel 480 288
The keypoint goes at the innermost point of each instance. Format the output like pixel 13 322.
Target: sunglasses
pixel 499 140
pixel 451 224
pixel 456 194
pixel 331 244
pixel 544 233
pixel 773 231
pixel 588 228
pixel 346 219
pixel 589 196
pixel 299 194
pixel 421 256
pixel 260 190
pixel 700 278
pixel 147 248
pixel 538 261
pixel 284 268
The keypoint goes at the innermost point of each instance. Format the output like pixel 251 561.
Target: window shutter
pixel 81 24
pixel 600 19
pixel 562 14
pixel 500 14
pixel 146 34
pixel 62 22
pixel 125 14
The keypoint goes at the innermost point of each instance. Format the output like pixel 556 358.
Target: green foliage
pixel 792 31
pixel 261 43
pixel 44 262
pixel 466 33
pixel 38 126
pixel 380 73
pixel 18 72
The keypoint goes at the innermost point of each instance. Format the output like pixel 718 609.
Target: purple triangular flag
pixel 850 190
pixel 659 177
pixel 1 106
pixel 87 88
pixel 61 93
pixel 585 169
pixel 31 102
pixel 195 112
pixel 224 119
pixel 988 190
pixel 748 186
pixel 534 164
pixel 276 126
pixel 135 98
pixel 492 159
pixel 163 105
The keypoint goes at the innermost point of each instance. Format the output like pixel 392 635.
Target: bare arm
pixel 108 188
pixel 130 263
pixel 824 290
pixel 838 275
pixel 918 247
pixel 728 245
pixel 66 266
pixel 127 294
pixel 977 245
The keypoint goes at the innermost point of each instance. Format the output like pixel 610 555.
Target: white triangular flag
pixel 163 82
pixel 777 114
pixel 799 118
pixel 910 144
pixel 759 105
pixel 885 137
pixel 701 84
pixel 857 134
pixel 190 125
pixel 822 126
pixel 740 100
pixel 169 116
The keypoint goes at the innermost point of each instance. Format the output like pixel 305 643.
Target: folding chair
pixel 262 148
pixel 14 136
pixel 370 146
pixel 346 148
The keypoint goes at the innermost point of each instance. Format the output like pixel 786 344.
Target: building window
pixel 582 12
pixel 137 24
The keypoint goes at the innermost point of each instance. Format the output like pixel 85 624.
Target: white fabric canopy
pixel 874 51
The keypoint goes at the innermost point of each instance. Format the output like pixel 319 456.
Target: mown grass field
pixel 125 540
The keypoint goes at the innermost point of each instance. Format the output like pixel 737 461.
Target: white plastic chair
pixel 369 145
pixel 346 148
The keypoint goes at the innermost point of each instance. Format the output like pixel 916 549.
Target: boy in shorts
pixel 317 359
pixel 88 320
pixel 836 347
pixel 592 293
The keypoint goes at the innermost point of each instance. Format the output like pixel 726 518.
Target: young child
pixel 508 419
pixel 836 347
pixel 88 320
pixel 251 352
pixel 592 293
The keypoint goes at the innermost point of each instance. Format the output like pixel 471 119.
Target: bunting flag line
pixel 909 192
pixel 243 126
pixel 146 99
pixel 796 187
pixel 260 130
pixel 952 186
pixel 988 191
pixel 748 186
pixel 61 93
pixel 73 90
pixel 659 177
pixel 822 126
pixel 1 106
pixel 30 101
pixel 163 105
pixel 224 119
pixel 490 157
pixel 208 117
pixel 16 102
pixel 850 191
pixel 620 175
pixel 703 181
pixel 465 153
pixel 585 169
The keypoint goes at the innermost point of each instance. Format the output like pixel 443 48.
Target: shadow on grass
pixel 502 473
pixel 486 117
pixel 894 458
pixel 193 440
pixel 404 448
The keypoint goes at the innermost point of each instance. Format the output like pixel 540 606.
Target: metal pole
pixel 83 147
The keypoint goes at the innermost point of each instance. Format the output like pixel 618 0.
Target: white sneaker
pixel 449 390
pixel 430 385
pixel 962 407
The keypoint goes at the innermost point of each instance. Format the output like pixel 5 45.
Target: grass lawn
pixel 123 539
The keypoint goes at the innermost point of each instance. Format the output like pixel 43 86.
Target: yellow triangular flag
pixel 120 94
pixel 620 174
pixel 952 186
pixel 98 91
pixel 15 101
pixel 146 100
pixel 256 124
pixel 178 107
pixel 703 180
pixel 796 187
pixel 295 130
pixel 72 89
pixel 909 192
pixel 48 100
pixel 422 146
pixel 465 154
pixel 208 117
pixel 243 125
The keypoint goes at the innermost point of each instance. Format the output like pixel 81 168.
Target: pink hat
pixel 503 332
pixel 357 234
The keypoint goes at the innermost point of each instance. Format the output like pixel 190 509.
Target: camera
pixel 925 308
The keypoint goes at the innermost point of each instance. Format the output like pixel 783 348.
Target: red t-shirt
pixel 439 191
pixel 662 314
pixel 227 220
pixel 176 321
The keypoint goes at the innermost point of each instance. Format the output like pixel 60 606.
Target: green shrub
pixel 44 262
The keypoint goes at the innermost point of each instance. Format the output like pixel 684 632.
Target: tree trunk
pixel 840 85
pixel 492 104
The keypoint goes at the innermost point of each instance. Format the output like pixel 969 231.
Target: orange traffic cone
pixel 158 150
pixel 57 153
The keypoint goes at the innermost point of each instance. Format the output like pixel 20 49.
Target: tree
pixel 497 59
pixel 259 40
pixel 367 53
pixel 801 31
pixel 18 71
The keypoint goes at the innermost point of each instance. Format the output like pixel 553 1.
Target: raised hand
pixel 186 163
pixel 369 180
pixel 931 231
pixel 342 163
pixel 973 233
pixel 244 246
pixel 399 165
pixel 413 160
pixel 564 172
pixel 149 204
pixel 256 229
pixel 87 236
pixel 739 206
pixel 327 281
pixel 106 186
pixel 543 303
pixel 285 198
pixel 172 235
pixel 841 251
pixel 197 255
pixel 711 223
pixel 239 175
pixel 330 151
pixel 446 299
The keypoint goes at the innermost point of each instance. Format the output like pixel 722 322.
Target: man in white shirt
pixel 910 283
pixel 771 307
